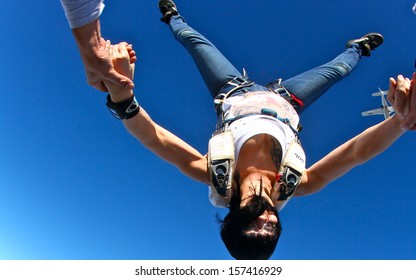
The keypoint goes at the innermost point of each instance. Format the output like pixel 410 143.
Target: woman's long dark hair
pixel 241 244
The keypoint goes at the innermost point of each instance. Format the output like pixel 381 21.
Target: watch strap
pixel 123 110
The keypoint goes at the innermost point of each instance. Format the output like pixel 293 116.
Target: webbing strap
pixel 276 87
pixel 232 86
pixel 244 81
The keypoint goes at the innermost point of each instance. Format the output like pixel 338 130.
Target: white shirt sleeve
pixel 82 12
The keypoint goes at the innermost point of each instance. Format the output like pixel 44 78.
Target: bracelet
pixel 123 110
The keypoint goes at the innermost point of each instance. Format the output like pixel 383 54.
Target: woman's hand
pixel 402 96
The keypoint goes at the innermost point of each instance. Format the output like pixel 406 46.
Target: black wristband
pixel 123 110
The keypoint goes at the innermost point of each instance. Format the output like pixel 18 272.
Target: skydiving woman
pixel 267 164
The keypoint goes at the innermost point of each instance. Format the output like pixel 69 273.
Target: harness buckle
pixel 277 88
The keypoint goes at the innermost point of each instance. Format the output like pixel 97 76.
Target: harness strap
pixel 231 86
pixel 241 83
pixel 276 87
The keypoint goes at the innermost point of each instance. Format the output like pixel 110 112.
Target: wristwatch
pixel 123 110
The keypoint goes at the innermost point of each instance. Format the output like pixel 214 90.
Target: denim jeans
pixel 216 70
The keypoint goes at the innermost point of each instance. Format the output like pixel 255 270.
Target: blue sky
pixel 75 185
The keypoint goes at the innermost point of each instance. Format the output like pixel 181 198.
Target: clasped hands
pixel 122 57
pixel 402 96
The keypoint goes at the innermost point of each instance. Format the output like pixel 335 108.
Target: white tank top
pixel 245 128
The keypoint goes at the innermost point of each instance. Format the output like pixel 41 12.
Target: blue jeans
pixel 216 70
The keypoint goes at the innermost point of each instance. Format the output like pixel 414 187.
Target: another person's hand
pixel 402 96
pixel 96 59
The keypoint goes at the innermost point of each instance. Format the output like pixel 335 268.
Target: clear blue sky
pixel 75 185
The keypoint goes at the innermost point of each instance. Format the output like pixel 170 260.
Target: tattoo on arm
pixel 276 153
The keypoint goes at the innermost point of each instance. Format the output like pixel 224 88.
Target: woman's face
pixel 263 224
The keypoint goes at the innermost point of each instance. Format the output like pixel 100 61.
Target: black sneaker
pixel 367 43
pixel 168 9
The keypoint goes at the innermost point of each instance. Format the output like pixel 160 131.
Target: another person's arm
pixel 160 141
pixel 83 17
pixel 361 148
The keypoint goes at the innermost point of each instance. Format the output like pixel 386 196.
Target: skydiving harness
pixel 241 83
pixel 221 145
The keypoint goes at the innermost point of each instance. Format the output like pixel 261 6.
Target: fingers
pixel 391 92
pixel 95 82
pixel 122 49
pixel 127 50
pixel 117 50
pixel 132 67
pixel 108 47
pixel 132 53
pixel 99 66
pixel 120 55
pixel 123 81
pixel 400 95
pixel 99 86
pixel 409 122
